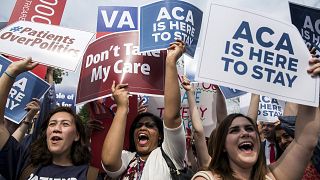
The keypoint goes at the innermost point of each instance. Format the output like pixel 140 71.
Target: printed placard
pixel 164 21
pixel 307 20
pixel 269 108
pixel 256 54
pixel 115 57
pixel 117 18
pixel 205 98
pixel 65 95
pixel 47 12
pixel 48 44
pixel 26 86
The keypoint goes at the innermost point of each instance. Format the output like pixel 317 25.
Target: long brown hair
pixel 220 160
pixel 80 154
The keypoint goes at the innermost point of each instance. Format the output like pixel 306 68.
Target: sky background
pixel 82 14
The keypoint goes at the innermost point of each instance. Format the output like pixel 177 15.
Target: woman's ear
pixel 77 137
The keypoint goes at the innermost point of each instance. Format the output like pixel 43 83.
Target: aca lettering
pixel 174 19
pixel 311 32
pixel 244 32
pixel 268 62
pixel 16 93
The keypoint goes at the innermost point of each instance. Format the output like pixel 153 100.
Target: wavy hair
pixel 220 159
pixel 80 154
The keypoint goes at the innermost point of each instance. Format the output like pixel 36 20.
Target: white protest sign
pixel 269 108
pixel 205 98
pixel 47 44
pixel 257 54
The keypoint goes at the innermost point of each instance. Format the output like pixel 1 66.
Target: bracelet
pixel 10 76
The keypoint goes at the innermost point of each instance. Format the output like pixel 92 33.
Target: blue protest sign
pixel 65 95
pixel 307 20
pixel 163 22
pixel 231 92
pixel 117 18
pixel 25 87
pixel 3 24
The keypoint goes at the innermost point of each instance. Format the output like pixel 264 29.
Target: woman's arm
pixel 6 81
pixel 254 107
pixel 221 107
pixel 33 107
pixel 113 143
pixel 198 131
pixel 172 101
pixel 294 160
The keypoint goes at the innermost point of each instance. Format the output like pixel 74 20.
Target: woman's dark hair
pixel 156 119
pixel 220 160
pixel 80 154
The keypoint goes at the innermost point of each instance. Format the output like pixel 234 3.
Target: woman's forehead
pixel 146 119
pixel 240 121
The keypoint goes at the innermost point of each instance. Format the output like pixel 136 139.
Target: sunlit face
pixel 146 136
pixel 283 138
pixel 268 130
pixel 61 133
pixel 242 143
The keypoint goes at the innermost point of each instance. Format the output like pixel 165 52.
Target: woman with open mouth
pixel 148 133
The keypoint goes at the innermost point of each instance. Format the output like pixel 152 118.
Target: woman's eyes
pixel 65 124
pixel 250 129
pixel 234 131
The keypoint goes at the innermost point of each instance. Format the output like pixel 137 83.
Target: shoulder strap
pixel 170 164
pixel 92 173
pixel 26 172
pixel 203 174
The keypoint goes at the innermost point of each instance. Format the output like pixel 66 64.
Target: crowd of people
pixel 59 146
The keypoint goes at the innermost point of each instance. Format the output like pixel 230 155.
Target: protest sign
pixel 269 108
pixel 97 137
pixel 48 44
pixel 164 21
pixel 117 19
pixel 3 24
pixel 307 20
pixel 230 92
pixel 65 95
pixel 115 57
pixel 42 11
pixel 25 87
pixel 257 54
pixel 205 98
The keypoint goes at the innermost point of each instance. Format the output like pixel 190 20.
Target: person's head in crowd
pixel 146 133
pixel 237 144
pixel 285 131
pixel 268 131
pixel 282 137
pixel 62 138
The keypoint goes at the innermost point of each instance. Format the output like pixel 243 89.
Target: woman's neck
pixel 241 173
pixel 61 160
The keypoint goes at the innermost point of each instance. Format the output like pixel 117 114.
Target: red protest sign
pixel 97 137
pixel 115 57
pixel 42 11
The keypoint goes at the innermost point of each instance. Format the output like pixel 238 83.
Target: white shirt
pixel 156 168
